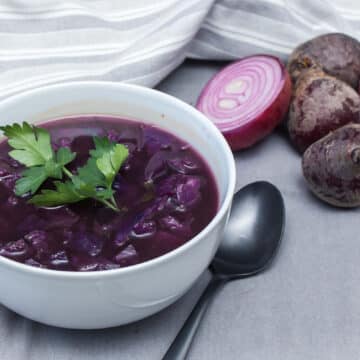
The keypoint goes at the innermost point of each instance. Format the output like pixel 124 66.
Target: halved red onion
pixel 247 99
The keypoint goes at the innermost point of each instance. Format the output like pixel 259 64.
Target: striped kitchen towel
pixel 141 41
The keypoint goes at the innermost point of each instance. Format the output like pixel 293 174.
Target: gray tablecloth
pixel 307 306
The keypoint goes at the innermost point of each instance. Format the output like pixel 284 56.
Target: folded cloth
pixel 49 41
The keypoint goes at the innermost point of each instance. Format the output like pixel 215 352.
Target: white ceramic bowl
pixel 114 297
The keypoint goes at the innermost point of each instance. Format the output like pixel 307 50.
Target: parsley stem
pixel 113 201
pixel 109 204
pixel 67 172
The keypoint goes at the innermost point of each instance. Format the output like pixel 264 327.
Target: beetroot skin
pixel 321 103
pixel 331 167
pixel 336 54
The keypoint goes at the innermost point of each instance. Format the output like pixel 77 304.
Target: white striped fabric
pixel 236 28
pixel 141 41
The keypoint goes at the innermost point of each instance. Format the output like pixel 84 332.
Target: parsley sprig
pixel 32 148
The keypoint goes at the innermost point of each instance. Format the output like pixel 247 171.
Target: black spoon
pixel 251 240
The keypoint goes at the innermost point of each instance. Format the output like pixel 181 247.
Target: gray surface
pixel 307 306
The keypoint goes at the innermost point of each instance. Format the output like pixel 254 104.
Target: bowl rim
pixel 171 100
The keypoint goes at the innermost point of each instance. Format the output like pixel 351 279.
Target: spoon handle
pixel 181 344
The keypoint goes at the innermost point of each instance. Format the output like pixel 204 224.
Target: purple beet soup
pixel 166 191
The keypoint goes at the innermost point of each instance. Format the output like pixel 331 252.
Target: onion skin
pixel 248 134
pixel 321 103
pixel 336 54
pixel 331 167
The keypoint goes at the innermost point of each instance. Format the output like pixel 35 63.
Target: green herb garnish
pixel 32 148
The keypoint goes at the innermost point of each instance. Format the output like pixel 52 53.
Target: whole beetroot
pixel 331 167
pixel 320 104
pixel 336 54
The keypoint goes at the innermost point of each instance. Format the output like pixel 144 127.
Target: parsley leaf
pixel 110 162
pixel 32 148
pixel 64 156
pixel 89 179
pixel 32 144
pixel 31 180
pixel 102 146
pixel 95 178
pixel 65 193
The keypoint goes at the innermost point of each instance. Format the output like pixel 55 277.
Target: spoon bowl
pixel 250 243
pixel 254 231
